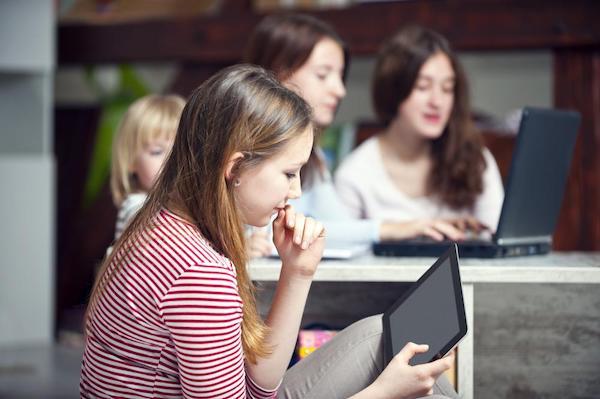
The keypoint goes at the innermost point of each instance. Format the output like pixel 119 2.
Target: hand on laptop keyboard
pixel 457 229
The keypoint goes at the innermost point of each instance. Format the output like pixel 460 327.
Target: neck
pixel 405 144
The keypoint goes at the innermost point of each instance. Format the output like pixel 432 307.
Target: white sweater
pixel 368 191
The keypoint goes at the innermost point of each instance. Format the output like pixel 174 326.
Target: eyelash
pixel 291 176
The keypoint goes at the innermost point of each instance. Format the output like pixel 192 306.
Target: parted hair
pixel 147 119
pixel 456 177
pixel 243 109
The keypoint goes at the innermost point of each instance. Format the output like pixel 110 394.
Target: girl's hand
pixel 259 244
pixel 299 241
pixel 400 380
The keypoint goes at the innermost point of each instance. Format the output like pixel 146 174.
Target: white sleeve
pixel 348 189
pixel 489 204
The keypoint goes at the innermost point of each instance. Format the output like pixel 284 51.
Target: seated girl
pixel 173 312
pixel 428 168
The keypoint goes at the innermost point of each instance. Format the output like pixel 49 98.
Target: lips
pixel 432 118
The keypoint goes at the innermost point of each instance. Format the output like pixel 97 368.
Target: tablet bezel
pixel 452 255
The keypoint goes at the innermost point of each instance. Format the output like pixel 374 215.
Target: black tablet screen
pixel 428 316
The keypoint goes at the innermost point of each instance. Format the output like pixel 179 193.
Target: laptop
pixel 431 312
pixel 534 191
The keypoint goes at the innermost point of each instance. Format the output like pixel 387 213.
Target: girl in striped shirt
pixel 172 313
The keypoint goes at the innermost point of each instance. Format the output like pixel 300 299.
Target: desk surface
pixel 558 267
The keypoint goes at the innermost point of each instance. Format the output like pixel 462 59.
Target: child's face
pixel 265 188
pixel 149 160
pixel 427 110
pixel 319 80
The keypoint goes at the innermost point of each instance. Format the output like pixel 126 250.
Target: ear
pixel 231 163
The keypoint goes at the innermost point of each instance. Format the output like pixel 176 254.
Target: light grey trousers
pixel 351 361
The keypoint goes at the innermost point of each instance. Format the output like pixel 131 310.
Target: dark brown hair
pixel 282 43
pixel 456 176
pixel 241 109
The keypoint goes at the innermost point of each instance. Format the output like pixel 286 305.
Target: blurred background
pixel 70 68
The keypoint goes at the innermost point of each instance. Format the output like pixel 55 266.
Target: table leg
pixel 465 353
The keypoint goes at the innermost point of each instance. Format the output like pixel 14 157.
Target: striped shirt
pixel 168 324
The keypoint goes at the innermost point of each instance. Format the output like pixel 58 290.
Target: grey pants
pixel 348 363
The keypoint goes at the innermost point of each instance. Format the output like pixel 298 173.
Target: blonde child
pixel 143 140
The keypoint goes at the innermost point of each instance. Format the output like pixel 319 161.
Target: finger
pixel 319 231
pixel 279 226
pixel 459 223
pixel 433 233
pixel 409 350
pixel 290 217
pixel 438 366
pixel 472 224
pixel 448 230
pixel 307 235
pixel 299 228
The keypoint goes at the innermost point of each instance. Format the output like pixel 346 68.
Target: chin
pixel 432 134
pixel 323 120
pixel 260 223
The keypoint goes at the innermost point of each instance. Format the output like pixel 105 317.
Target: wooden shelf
pixel 470 25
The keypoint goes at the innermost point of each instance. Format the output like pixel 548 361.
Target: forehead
pixel 298 149
pixel 438 65
pixel 326 51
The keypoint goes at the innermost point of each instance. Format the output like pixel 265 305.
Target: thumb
pixel 279 226
pixel 410 350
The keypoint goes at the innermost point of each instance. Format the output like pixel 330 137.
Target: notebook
pixel 534 191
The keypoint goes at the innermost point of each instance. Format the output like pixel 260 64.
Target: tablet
pixel 431 312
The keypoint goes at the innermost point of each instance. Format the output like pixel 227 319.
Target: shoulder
pixel 135 198
pixel 132 203
pixel 172 246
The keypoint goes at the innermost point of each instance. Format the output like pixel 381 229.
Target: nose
pixel 338 88
pixel 435 96
pixel 295 189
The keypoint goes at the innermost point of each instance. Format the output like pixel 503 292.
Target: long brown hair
pixel 241 109
pixel 456 175
pixel 282 43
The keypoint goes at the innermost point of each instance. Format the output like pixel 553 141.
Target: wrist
pixel 296 273
pixel 393 231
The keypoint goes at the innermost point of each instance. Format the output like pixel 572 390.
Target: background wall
pixel 26 172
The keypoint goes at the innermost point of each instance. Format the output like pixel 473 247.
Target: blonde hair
pixel 147 119
pixel 241 109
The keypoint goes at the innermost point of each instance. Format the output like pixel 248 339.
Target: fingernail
pixel 304 245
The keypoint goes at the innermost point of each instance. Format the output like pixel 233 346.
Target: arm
pixel 300 243
pixel 202 311
pixel 348 189
pixel 489 204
